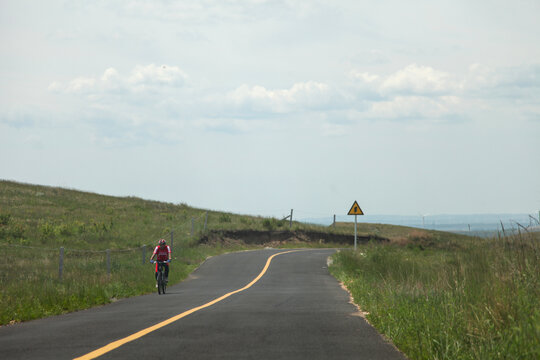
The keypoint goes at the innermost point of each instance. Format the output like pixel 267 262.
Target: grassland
pixel 47 216
pixel 436 295
pixel 450 298
pixel 35 221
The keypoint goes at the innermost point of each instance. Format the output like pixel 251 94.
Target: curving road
pixel 292 309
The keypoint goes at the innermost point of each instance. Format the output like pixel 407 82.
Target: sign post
pixel 355 210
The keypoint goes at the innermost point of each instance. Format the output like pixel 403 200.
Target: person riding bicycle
pixel 163 253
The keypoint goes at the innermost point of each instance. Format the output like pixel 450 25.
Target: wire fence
pixel 110 260
pixel 67 258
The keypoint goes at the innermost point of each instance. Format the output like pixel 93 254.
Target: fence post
pixel 334 224
pixel 108 261
pixel 61 266
pixel 143 251
pixel 205 220
pixel 290 220
pixel 172 239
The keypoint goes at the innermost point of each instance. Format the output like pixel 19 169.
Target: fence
pixel 84 260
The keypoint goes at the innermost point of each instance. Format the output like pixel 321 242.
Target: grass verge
pixel 479 299
pixel 31 287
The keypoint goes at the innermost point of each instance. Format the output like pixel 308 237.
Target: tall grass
pixel 477 300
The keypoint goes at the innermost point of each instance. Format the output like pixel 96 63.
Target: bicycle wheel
pixel 159 282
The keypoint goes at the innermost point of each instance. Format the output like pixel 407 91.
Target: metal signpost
pixel 355 210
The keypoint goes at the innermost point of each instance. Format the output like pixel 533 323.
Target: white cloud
pixel 142 78
pixel 519 84
pixel 81 85
pixel 364 77
pixel 110 75
pixel 300 97
pixel 158 97
pixel 418 80
pixel 161 75
pixel 422 92
pixel 414 92
pixel 411 80
pixel 416 107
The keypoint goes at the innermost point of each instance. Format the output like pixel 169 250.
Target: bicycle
pixel 160 280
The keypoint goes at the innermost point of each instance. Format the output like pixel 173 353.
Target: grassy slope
pixel 37 215
pixel 35 221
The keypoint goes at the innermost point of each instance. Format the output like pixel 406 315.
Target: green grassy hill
pixel 39 215
pixel 107 241
pixel 435 294
pixel 35 221
pixel 102 239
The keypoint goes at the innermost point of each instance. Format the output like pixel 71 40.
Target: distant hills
pixel 476 224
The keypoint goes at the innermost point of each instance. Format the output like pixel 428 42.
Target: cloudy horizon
pixel 262 106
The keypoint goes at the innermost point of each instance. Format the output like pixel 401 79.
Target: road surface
pixel 245 305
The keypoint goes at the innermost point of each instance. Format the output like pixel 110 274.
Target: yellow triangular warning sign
pixel 355 210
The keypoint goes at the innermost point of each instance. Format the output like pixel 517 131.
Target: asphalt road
pixel 295 310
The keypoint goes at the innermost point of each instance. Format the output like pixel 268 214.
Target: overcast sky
pixel 257 107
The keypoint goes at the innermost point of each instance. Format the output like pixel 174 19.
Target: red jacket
pixel 162 253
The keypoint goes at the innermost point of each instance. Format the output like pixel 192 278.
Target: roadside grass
pixel 476 299
pixel 31 287
pixel 35 221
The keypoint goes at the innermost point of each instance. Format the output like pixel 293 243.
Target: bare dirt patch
pixel 276 238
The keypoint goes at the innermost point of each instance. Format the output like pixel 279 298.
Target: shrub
pixel 47 229
pixel 79 226
pixel 17 231
pixel 225 218
pixel 269 224
pixel 5 219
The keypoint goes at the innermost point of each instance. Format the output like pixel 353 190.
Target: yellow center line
pixel 116 344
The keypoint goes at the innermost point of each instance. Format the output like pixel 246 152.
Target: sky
pixel 258 107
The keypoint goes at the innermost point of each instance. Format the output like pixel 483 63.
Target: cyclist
pixel 163 253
